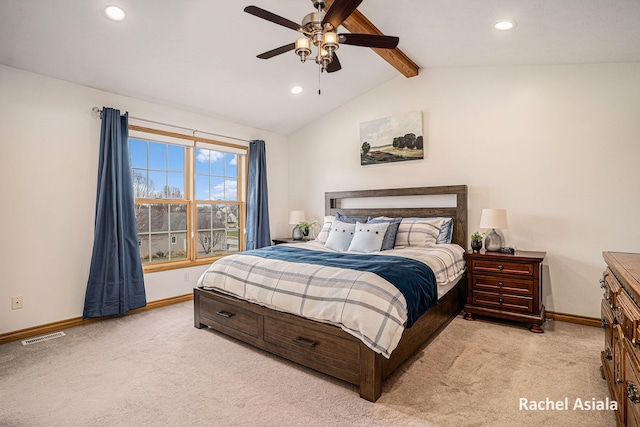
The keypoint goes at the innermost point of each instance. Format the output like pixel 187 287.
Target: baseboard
pixel 573 318
pixel 78 321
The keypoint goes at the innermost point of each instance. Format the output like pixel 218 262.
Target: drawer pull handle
pixel 500 267
pixel 605 324
pixel 500 284
pixel 225 314
pixel 304 342
pixel 632 392
pixel 500 300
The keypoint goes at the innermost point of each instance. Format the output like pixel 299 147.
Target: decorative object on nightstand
pixel 506 286
pixel 296 217
pixel 476 241
pixel 306 228
pixel 493 218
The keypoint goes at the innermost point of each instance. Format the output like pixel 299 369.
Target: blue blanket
pixel 414 279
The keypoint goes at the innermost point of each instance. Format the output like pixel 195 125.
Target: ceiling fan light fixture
pixel 504 25
pixel 303 48
pixel 114 13
pixel 330 43
pixel 323 59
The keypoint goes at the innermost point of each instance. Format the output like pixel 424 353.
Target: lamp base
pixel 492 241
pixel 296 233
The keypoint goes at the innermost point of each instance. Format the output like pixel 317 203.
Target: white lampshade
pixel 296 217
pixel 494 218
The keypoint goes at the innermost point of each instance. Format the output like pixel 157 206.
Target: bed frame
pixel 327 348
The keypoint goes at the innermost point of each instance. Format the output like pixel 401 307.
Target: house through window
pixel 189 197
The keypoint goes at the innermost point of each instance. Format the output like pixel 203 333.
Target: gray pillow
pixel 391 233
pixel 446 231
pixel 368 237
pixel 340 236
pixel 351 219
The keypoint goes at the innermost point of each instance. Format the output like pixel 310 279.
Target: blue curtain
pixel 116 282
pixel 258 235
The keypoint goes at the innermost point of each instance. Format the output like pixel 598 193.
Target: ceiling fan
pixel 319 29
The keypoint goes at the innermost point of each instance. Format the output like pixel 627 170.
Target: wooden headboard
pixel 333 204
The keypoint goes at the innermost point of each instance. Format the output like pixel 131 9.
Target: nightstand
pixel 280 240
pixel 506 286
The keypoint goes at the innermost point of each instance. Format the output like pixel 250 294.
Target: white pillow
pixel 340 236
pixel 418 231
pixel 326 227
pixel 368 237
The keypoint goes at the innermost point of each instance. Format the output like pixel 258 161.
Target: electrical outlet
pixel 16 302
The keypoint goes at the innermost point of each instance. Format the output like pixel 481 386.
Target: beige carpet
pixel 155 368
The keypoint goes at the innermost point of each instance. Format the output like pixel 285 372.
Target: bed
pixel 327 347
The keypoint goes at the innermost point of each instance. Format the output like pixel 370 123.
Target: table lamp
pixel 493 218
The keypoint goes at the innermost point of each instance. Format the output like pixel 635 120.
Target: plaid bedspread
pixel 361 303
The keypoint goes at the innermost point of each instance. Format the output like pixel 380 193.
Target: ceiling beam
pixel 358 23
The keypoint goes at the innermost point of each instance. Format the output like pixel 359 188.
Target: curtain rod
pixel 97 110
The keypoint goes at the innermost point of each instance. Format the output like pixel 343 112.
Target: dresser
pixel 506 286
pixel 621 323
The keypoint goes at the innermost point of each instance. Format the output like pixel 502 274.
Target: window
pixel 189 198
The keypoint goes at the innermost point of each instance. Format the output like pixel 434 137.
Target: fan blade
pixel 271 17
pixel 277 51
pixel 339 11
pixel 369 40
pixel 334 65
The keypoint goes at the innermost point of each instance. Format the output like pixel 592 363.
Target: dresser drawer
pixel 503 285
pixel 315 349
pixel 628 316
pixel 608 322
pixel 504 267
pixel 500 301
pixel 611 287
pixel 631 390
pixel 229 316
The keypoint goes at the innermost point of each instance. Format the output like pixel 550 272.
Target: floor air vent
pixel 43 338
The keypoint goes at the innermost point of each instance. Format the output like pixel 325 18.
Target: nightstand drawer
pixel 503 267
pixel 503 285
pixel 499 301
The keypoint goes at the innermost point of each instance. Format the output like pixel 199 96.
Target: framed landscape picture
pixel 392 139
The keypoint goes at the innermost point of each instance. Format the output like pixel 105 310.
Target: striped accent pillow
pixel 326 227
pixel 418 231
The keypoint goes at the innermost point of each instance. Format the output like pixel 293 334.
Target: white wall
pixel 49 144
pixel 557 146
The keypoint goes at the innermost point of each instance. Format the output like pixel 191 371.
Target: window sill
pixel 153 268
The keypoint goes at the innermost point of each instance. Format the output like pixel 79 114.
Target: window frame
pixel 191 144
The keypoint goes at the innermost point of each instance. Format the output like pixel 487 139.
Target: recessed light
pixel 296 90
pixel 115 13
pixel 504 25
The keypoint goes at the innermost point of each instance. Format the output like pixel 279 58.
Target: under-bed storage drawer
pixel 230 317
pixel 325 352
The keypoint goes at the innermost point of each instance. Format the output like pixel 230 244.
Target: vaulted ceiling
pixel 200 55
